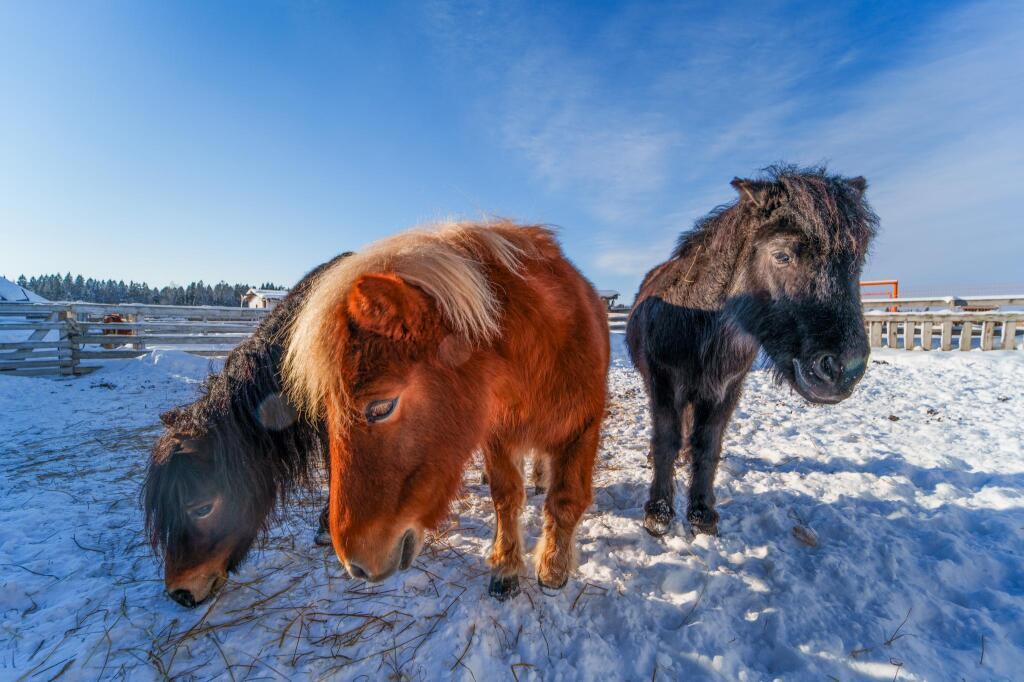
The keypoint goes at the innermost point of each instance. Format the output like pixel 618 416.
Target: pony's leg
pixel 508 495
pixel 710 417
pixel 570 471
pixel 323 531
pixel 666 441
pixel 538 478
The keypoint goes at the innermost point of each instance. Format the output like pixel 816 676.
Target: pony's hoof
pixel 551 589
pixel 658 517
pixel 539 490
pixel 505 588
pixel 552 575
pixel 322 538
pixel 704 521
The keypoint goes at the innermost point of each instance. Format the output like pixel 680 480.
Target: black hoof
pixel 505 588
pixel 704 521
pixel 322 537
pixel 323 533
pixel 551 590
pixel 539 490
pixel 658 517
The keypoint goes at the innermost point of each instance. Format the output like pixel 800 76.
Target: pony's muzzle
pixel 183 597
pixel 192 587
pixel 400 559
pixel 193 595
pixel 826 378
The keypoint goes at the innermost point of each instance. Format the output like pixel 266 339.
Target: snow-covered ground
pixel 879 539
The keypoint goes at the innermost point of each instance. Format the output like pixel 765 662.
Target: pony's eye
pixel 379 410
pixel 201 512
pixel 782 258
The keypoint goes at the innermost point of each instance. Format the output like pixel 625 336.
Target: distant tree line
pixel 68 288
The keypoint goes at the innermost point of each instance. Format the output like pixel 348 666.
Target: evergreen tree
pixel 68 287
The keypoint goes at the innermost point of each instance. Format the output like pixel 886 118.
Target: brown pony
pixel 429 345
pixel 115 318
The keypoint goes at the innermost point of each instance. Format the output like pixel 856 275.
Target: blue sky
pixel 251 141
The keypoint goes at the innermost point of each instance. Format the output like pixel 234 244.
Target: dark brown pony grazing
pixel 225 461
pixel 778 270
pixel 431 344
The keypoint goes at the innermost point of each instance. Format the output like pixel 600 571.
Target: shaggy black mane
pixel 256 451
pixel 832 211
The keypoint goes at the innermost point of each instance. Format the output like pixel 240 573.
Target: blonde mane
pixel 444 260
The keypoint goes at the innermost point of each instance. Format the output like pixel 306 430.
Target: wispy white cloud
pixel 941 138
pixel 644 128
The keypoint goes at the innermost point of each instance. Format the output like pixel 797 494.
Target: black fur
pixel 240 441
pixel 778 269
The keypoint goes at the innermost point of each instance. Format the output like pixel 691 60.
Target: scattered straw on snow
pixel 853 545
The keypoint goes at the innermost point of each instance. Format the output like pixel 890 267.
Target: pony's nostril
pixel 183 597
pixel 854 369
pixel 827 368
pixel 357 572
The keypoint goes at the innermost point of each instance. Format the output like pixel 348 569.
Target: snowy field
pixel 879 539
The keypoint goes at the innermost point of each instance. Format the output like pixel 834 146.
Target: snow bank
pixel 876 538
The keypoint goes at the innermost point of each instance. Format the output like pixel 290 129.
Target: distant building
pixel 12 293
pixel 608 296
pixel 263 298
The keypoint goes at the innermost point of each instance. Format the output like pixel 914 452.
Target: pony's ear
pixel 753 191
pixel 389 306
pixel 170 417
pixel 858 183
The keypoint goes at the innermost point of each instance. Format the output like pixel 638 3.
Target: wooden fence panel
pixel 63 335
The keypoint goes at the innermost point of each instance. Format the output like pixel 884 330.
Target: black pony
pixel 779 270
pixel 225 461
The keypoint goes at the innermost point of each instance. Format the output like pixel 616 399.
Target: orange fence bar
pixel 892 284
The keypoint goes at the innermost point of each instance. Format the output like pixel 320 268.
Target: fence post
pixel 988 332
pixel 946 343
pixel 876 334
pixel 141 345
pixel 966 329
pixel 926 335
pixel 1009 335
pixel 68 357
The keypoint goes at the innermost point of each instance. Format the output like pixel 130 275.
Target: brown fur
pixel 115 317
pixel 503 347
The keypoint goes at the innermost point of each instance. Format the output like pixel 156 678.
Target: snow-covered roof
pixel 12 293
pixel 267 293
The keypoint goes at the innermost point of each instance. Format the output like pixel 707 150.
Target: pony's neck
pixel 710 266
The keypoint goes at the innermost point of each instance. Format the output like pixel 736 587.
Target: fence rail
pixel 944 330
pixel 63 335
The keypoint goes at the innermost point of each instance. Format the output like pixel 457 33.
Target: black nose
pixel 183 597
pixel 357 572
pixel 827 368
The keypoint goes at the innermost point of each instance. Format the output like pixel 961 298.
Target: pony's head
pixel 387 348
pixel 809 233
pixel 202 512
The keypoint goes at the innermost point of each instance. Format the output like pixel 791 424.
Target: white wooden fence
pixel 945 323
pixel 67 338
pixel 63 335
